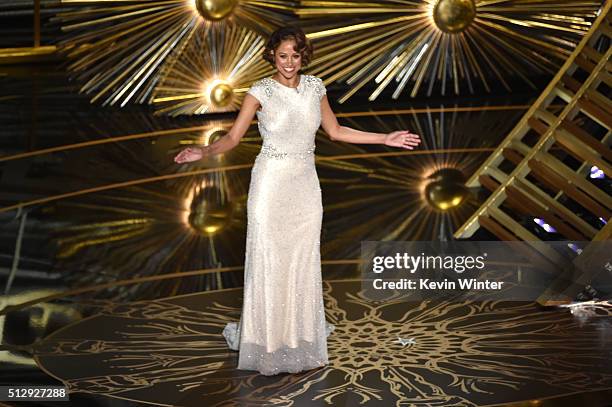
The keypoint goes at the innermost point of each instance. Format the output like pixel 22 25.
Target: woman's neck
pixel 295 81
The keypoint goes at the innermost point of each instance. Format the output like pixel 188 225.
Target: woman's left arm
pixel 329 122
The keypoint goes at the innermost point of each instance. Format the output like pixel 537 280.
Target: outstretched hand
pixel 189 154
pixel 403 139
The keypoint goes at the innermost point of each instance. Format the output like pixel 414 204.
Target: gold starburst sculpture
pixel 441 44
pixel 212 73
pixel 118 49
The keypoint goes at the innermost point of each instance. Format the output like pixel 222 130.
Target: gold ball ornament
pixel 215 135
pixel 221 95
pixel 215 10
pixel 211 137
pixel 210 211
pixel 454 16
pixel 446 189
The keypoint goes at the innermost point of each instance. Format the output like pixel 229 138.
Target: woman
pixel 282 327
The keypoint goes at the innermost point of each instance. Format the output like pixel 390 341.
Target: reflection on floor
pixel 383 353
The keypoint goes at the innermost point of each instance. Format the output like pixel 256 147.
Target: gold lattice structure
pixel 581 129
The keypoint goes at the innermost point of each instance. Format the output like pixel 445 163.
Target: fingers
pixel 182 156
pixel 410 140
pixel 404 139
pixel 185 155
pixel 179 157
pixel 408 134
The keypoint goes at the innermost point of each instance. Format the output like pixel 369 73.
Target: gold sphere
pixel 221 95
pixel 215 135
pixel 215 10
pixel 210 211
pixel 211 137
pixel 446 189
pixel 453 16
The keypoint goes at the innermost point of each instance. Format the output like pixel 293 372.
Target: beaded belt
pixel 272 152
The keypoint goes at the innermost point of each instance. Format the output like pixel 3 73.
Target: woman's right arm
pixel 250 104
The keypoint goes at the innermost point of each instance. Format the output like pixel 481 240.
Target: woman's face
pixel 287 61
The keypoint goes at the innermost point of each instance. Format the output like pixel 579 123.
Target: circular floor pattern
pixel 170 352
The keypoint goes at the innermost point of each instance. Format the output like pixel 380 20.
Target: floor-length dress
pixel 282 327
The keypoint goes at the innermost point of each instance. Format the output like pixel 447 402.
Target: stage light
pixel 545 225
pixel 575 248
pixel 597 173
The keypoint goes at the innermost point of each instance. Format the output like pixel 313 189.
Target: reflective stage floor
pixel 170 352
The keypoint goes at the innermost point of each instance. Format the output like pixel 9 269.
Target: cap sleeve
pixel 259 91
pixel 320 88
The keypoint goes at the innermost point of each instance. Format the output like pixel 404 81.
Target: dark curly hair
pixel 303 45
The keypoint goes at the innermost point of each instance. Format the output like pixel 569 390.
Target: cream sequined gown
pixel 282 327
